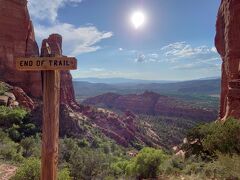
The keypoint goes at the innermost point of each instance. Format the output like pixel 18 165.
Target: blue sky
pixel 176 41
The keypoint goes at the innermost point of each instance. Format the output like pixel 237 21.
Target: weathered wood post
pixel 50 63
pixel 51 105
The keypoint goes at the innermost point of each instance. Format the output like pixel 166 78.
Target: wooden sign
pixel 50 67
pixel 46 63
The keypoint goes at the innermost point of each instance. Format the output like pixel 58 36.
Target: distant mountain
pixel 85 90
pixel 210 78
pixel 151 103
pixel 119 80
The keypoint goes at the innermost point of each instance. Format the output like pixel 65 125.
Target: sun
pixel 138 19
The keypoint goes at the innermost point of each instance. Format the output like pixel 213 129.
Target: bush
pixel 3 88
pixel 31 147
pixel 9 150
pixel 29 170
pixel 225 167
pixel 213 137
pixel 89 164
pixel 172 166
pixel 13 115
pixel 146 164
pixel 16 123
pixel 119 168
pixel 64 174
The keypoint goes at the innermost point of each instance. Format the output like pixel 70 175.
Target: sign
pixel 46 63
pixel 51 68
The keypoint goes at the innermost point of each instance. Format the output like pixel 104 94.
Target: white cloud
pixel 97 69
pixel 181 55
pixel 120 49
pixel 48 9
pixel 140 58
pixel 104 73
pixel 154 56
pixel 76 40
pixel 183 50
pixel 198 66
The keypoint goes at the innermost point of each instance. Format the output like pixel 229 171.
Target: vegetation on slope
pixel 212 151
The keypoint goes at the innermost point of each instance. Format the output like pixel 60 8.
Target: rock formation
pixel 17 40
pixel 152 104
pixel 228 45
pixel 14 97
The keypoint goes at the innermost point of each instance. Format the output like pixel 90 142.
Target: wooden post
pixel 50 128
pixel 51 67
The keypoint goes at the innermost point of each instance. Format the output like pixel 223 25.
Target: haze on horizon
pixel 138 39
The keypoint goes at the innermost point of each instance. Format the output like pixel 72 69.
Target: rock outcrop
pixel 14 97
pixel 228 45
pixel 17 40
pixel 152 104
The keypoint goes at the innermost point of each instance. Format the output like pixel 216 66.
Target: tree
pixel 146 164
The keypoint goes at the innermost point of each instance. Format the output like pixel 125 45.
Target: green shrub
pixel 9 150
pixel 146 164
pixel 68 147
pixel 29 170
pixel 172 166
pixel 87 163
pixel 31 146
pixel 225 167
pixel 119 168
pixel 15 121
pixel 64 174
pixel 3 88
pixel 14 115
pixel 213 137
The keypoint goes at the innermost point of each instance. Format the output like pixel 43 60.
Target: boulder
pixel 15 104
pixel 10 95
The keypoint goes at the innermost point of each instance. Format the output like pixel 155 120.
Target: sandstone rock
pixel 17 40
pixel 175 149
pixel 15 104
pixel 23 98
pixel 4 100
pixel 181 154
pixel 10 95
pixel 228 45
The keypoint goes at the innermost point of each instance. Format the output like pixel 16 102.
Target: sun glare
pixel 138 19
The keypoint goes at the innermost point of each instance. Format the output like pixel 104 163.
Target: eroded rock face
pixel 17 40
pixel 228 45
pixel 15 96
pixel 152 104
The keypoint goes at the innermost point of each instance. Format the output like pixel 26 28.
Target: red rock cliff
pixel 17 40
pixel 228 45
